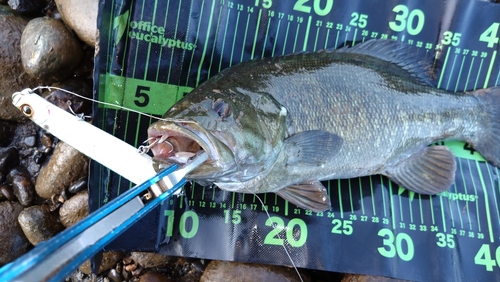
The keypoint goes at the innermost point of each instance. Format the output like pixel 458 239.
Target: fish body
pixel 283 124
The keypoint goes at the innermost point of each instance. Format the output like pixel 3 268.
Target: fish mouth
pixel 177 142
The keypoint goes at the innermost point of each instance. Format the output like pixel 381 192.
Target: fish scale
pixel 351 112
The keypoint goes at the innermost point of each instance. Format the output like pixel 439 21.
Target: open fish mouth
pixel 177 142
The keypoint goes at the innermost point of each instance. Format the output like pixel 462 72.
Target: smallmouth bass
pixel 284 124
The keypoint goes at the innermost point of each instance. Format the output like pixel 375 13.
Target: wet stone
pixel 74 209
pixel 84 24
pixel 30 141
pixel 22 185
pixel 27 6
pixel 150 260
pixel 235 271
pixel 115 276
pixel 39 224
pixel 13 77
pixel 6 193
pixel 9 158
pixel 47 140
pixel 49 50
pixel 109 259
pixel 13 243
pixel 65 167
pixel 153 277
pixel 78 186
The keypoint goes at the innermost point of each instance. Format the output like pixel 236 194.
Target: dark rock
pixel 39 224
pixel 27 6
pixel 12 75
pixel 65 100
pixel 13 243
pixel 7 193
pixel 7 130
pixel 235 271
pixel 78 186
pixel 8 158
pixel 115 276
pixel 49 51
pixel 47 140
pixel 65 167
pixel 22 185
pixel 153 277
pixel 84 24
pixel 74 209
pixel 109 259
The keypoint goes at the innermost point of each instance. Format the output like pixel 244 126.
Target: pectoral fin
pixel 311 195
pixel 430 171
pixel 312 147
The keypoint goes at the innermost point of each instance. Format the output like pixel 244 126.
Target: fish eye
pixel 26 110
pixel 221 108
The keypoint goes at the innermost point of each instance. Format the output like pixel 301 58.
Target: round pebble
pixel 84 24
pixel 13 77
pixel 22 185
pixel 74 209
pixel 66 166
pixel 13 243
pixel 153 277
pixel 39 224
pixel 49 51
pixel 7 193
pixel 78 186
pixel 236 271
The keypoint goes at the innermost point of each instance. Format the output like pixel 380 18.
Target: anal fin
pixel 310 195
pixel 430 171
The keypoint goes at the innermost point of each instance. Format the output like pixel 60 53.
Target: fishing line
pixel 279 237
pixel 109 104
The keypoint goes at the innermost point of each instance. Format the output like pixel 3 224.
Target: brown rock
pixel 49 50
pixel 109 259
pixel 74 209
pixel 22 185
pixel 84 24
pixel 12 75
pixel 153 277
pixel 13 243
pixel 66 166
pixel 39 224
pixel 235 271
pixel 150 260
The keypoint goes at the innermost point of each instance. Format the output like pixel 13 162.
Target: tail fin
pixel 489 145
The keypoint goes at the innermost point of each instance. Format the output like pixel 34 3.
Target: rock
pixel 61 98
pixel 83 23
pixel 22 185
pixel 153 277
pixel 78 186
pixel 6 193
pixel 65 167
pixel 115 276
pixel 7 130
pixel 109 259
pixel 74 209
pixel 39 224
pixel 235 271
pixel 8 158
pixel 13 77
pixel 49 51
pixel 27 6
pixel 150 260
pixel 13 243
pixel 368 278
pixel 30 141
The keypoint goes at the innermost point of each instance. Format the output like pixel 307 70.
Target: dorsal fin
pixel 400 55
